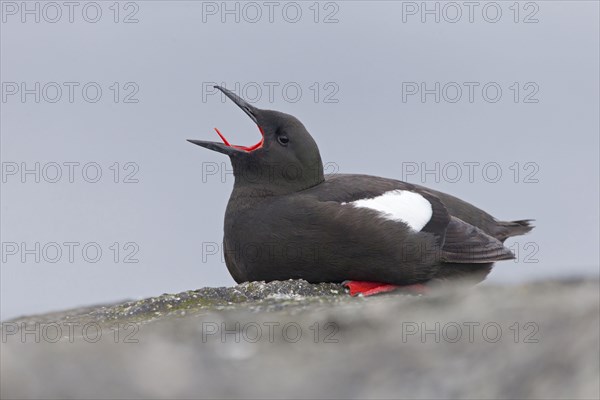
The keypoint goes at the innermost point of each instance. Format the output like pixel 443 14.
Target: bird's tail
pixel 506 229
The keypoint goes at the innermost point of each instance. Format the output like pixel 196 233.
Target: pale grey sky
pixel 516 98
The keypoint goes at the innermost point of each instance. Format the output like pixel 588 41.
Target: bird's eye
pixel 283 140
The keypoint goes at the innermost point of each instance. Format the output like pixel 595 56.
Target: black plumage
pixel 286 219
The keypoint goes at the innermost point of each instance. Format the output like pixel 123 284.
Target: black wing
pixel 467 244
pixel 459 241
pixel 344 188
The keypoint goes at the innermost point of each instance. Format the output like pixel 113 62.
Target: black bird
pixel 287 220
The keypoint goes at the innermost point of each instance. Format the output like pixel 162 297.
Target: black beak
pixel 241 103
pixel 225 148
pixel 220 147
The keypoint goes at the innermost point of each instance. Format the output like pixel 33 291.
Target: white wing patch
pixel 400 205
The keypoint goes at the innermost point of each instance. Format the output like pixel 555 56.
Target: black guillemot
pixel 286 219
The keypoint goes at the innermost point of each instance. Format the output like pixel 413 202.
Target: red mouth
pixel 244 148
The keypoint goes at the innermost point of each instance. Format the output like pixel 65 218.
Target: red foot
pixel 371 288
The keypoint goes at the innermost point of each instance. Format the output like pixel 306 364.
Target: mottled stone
pixel 296 340
pixel 255 296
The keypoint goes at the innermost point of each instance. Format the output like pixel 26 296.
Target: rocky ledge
pixel 296 340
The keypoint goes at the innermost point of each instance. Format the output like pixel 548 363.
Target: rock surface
pixel 296 340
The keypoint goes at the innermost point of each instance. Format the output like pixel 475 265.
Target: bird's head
pixel 285 160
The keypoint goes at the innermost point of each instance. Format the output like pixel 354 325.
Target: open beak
pixel 214 146
pixel 226 147
pixel 241 103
